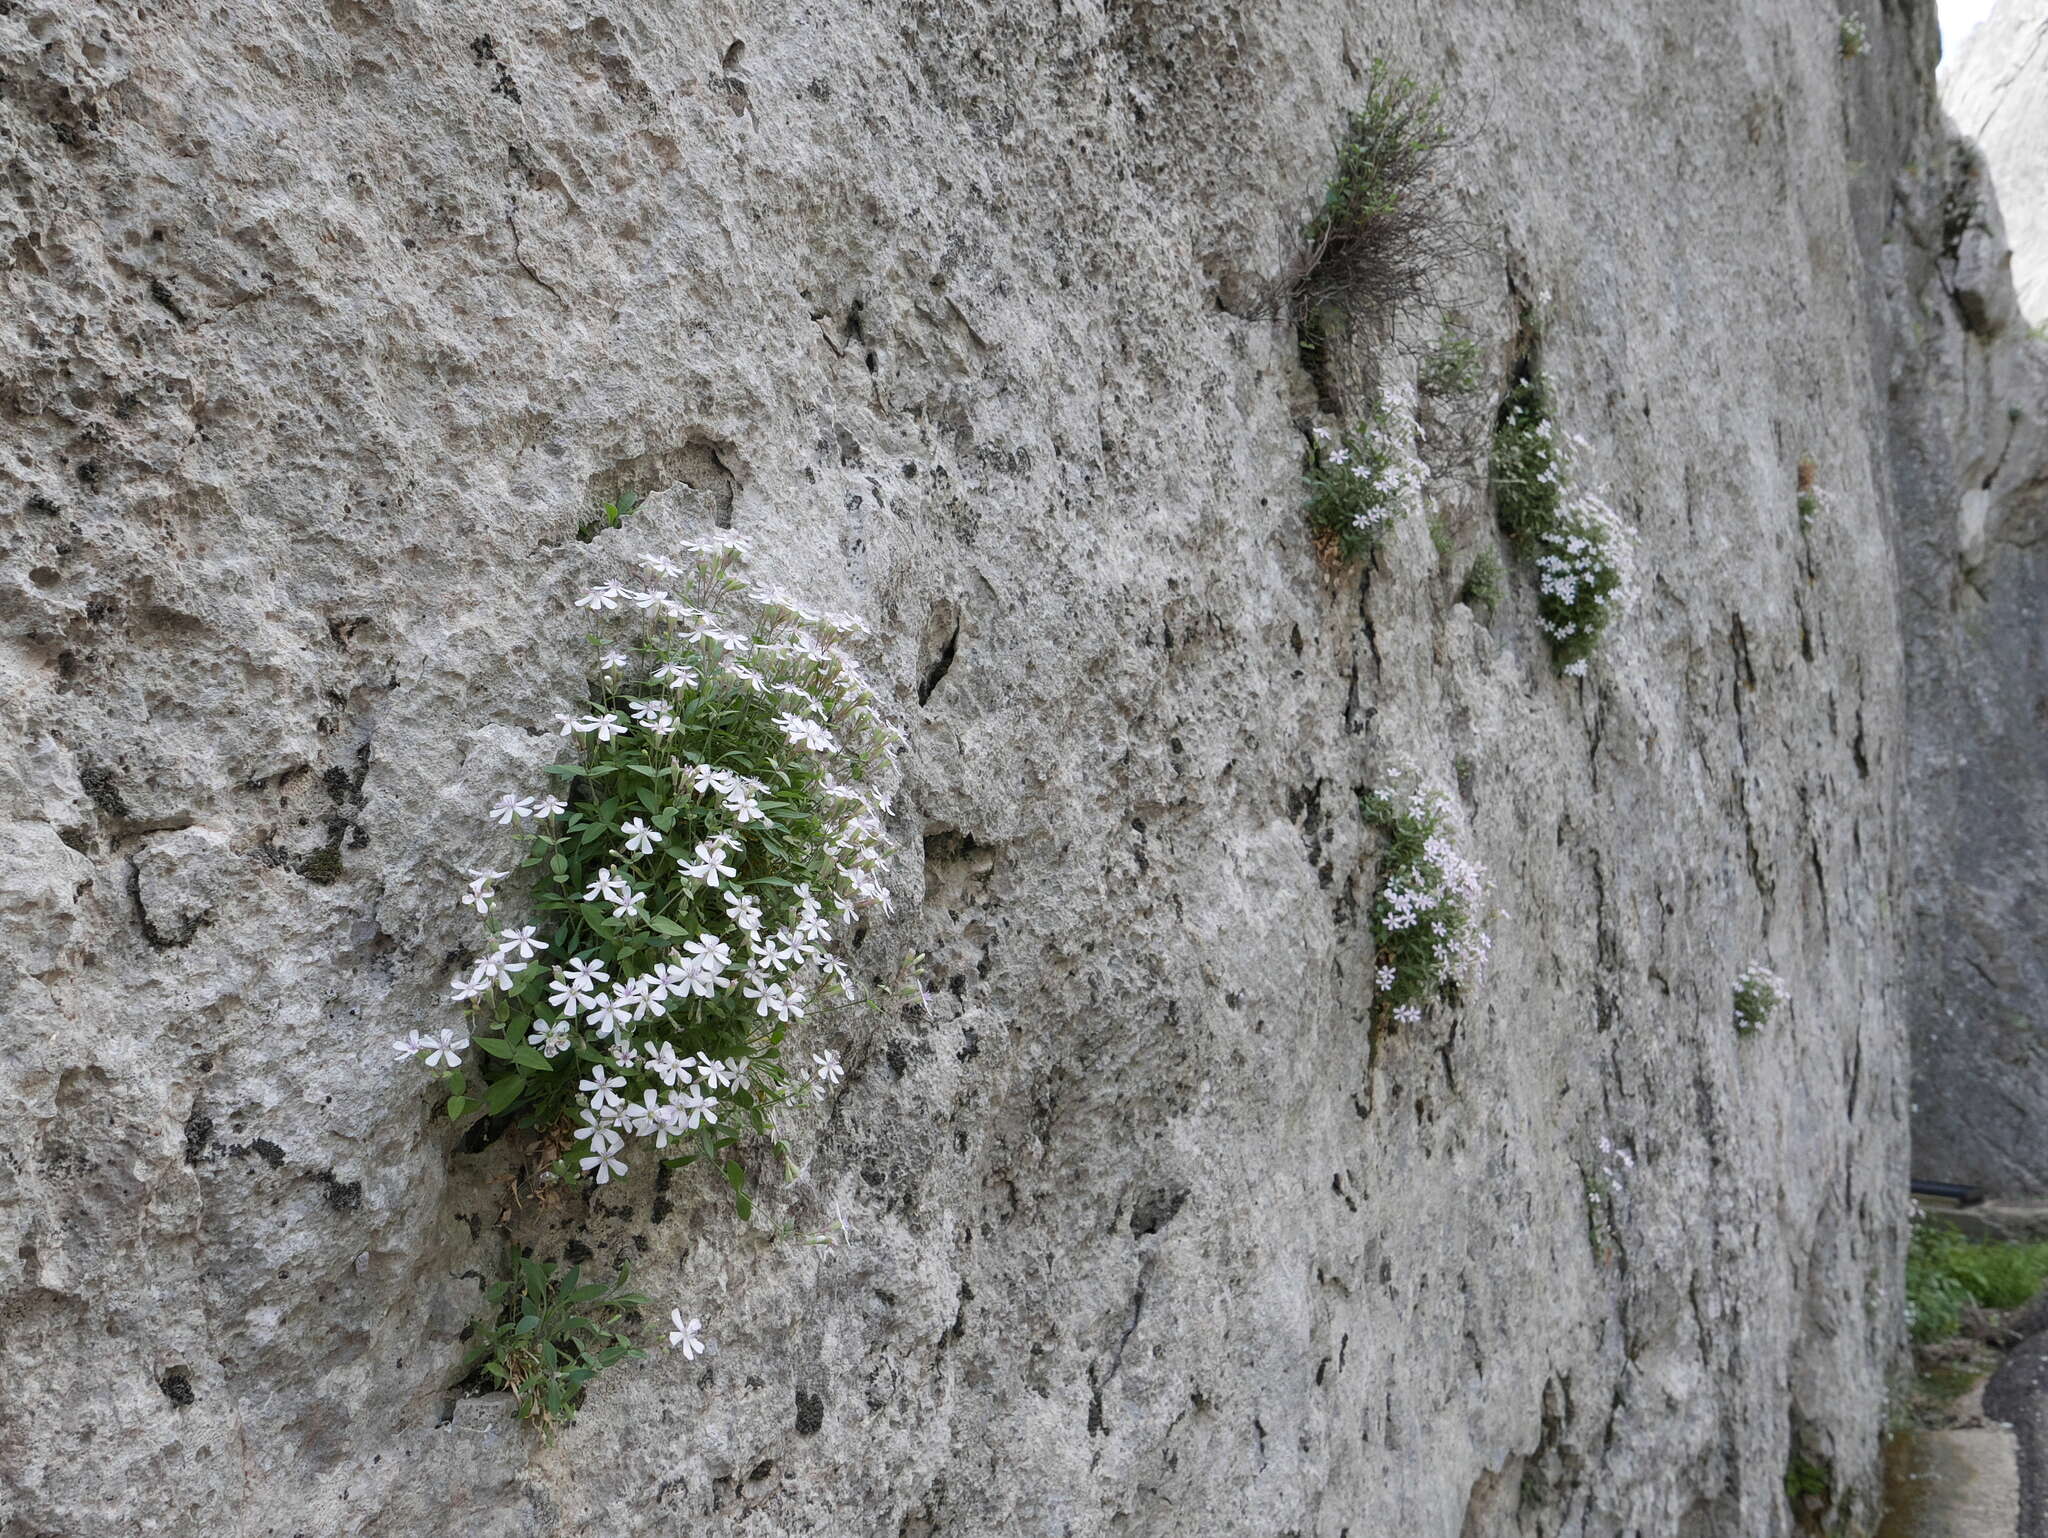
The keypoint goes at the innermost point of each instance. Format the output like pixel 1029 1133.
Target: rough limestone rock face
pixel 1973 492
pixel 326 325
pixel 1996 90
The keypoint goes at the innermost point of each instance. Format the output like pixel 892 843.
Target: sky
pixel 1957 18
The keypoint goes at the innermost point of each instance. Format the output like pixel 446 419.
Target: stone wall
pixel 324 328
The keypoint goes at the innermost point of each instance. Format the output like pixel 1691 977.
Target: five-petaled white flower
pixel 687 1336
pixel 552 1037
pixel 409 1045
pixel 607 726
pixel 508 807
pixel 829 1067
pixel 608 1165
pixel 607 1013
pixel 641 836
pixel 708 864
pixel 520 942
pixel 605 597
pixel 446 1049
pixel 550 806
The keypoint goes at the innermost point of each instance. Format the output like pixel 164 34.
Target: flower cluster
pixel 1759 994
pixel 715 835
pixel 1364 481
pixel 1425 917
pixel 1579 546
pixel 1852 34
pixel 1606 1185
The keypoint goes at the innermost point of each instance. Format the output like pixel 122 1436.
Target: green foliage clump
pixel 1578 546
pixel 1454 366
pixel 1482 587
pixel 1427 910
pixel 1852 35
pixel 1360 483
pixel 552 1333
pixel 1380 238
pixel 1946 1272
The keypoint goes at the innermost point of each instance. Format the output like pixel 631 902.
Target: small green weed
pixel 1852 36
pixel 1809 500
pixel 1946 1272
pixel 552 1334
pixel 1482 588
pixel 610 516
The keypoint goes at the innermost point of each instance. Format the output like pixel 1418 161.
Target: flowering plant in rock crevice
pixel 1580 547
pixel 715 834
pixel 1364 480
pixel 696 867
pixel 1759 994
pixel 1426 913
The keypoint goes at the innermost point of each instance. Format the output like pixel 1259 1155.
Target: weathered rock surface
pixel 324 325
pixel 1970 478
pixel 1996 90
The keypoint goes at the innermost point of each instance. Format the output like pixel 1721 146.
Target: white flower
pixel 713 1071
pixel 607 1013
pixel 497 972
pixel 585 975
pixel 606 727
pixel 708 865
pixel 805 733
pixel 520 942
pixel 550 806
pixel 1408 1014
pixel 446 1048
pixel 744 911
pixel 612 661
pixel 408 1045
pixel 606 886
pixel 605 597
pixel 552 1037
pixel 641 836
pixel 463 989
pixel 676 675
pixel 829 1067
pixel 667 1067
pixel 508 806
pixel 697 1109
pixel 478 896
pixel 628 904
pixel 609 1166
pixel 1384 977
pixel 686 1337
pixel 743 808
pixel 601 1088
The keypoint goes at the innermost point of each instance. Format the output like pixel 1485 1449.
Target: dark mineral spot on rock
pixel 1156 1208
pixel 198 1133
pixel 177 1386
pixel 268 1152
pixel 342 1195
pixel 810 1413
pixel 576 1252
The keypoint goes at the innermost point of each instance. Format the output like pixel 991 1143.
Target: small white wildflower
pixel 446 1048
pixel 687 1336
pixel 641 836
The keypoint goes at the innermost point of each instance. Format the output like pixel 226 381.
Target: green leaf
pixel 458 1105
pixel 503 1093
pixel 531 1057
pixel 664 926
pixel 497 1046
